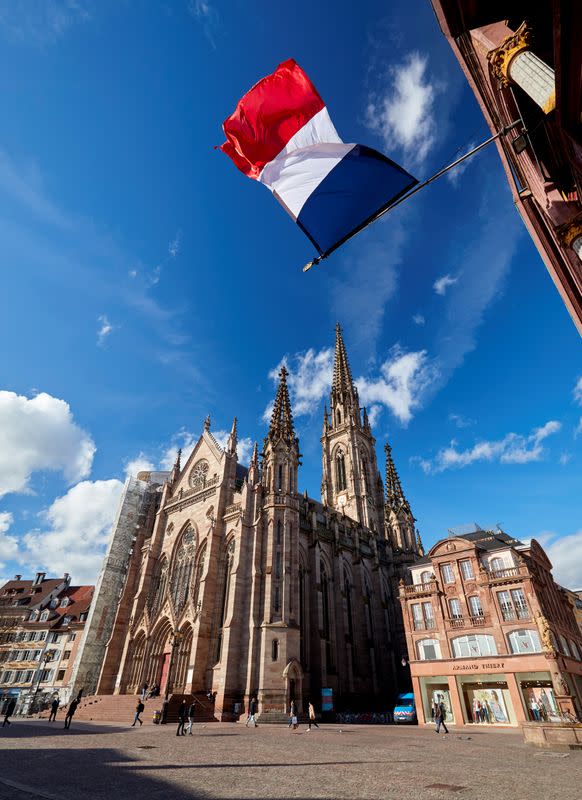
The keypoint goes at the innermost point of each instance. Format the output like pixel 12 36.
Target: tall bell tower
pixel 351 482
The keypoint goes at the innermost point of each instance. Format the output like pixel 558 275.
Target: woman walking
pixel 311 712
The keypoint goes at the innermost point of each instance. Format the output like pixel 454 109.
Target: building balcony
pixel 507 575
pixel 420 588
pixel 479 621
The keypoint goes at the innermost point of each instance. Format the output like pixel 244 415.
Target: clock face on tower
pixel 199 473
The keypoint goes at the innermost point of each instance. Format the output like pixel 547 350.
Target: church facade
pixel 239 585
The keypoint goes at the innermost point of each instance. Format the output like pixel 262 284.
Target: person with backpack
pixel 440 714
pixel 138 710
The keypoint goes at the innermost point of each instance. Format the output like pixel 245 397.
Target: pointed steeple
pixel 232 439
pixel 253 474
pixel 342 383
pixel 207 423
pixel 282 419
pixel 366 421
pixel 419 545
pixel 177 468
pixel 395 498
pixel 325 420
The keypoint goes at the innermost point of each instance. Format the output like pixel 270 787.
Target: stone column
pixel 515 694
pixel 456 701
pixel 419 704
pixel 514 62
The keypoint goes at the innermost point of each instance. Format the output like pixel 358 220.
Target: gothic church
pixel 240 585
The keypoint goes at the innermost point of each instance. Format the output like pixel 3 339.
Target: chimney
pixel 39 578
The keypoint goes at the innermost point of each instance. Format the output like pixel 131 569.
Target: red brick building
pixel 523 61
pixel 490 633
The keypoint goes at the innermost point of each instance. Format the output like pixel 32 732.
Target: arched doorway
pixel 160 655
pixel 293 683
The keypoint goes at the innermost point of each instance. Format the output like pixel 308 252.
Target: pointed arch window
pixel 302 618
pixel 182 569
pixel 280 478
pixel 338 416
pixel 227 571
pixel 198 576
pixel 326 630
pixel 369 615
pixel 365 476
pixel 159 585
pixel 340 471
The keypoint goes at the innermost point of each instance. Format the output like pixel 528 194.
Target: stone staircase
pixel 121 708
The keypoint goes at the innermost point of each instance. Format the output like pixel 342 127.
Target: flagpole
pixel 503 132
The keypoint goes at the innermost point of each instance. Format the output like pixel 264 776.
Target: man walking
pixel 292 715
pixel 190 715
pixel 138 710
pixel 440 715
pixel 54 709
pixel 182 711
pixel 71 712
pixel 311 712
pixel 252 712
pixel 9 711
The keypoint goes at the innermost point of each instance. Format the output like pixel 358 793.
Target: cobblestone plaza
pixel 228 760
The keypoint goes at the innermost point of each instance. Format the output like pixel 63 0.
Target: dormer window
pixel 66 619
pixel 64 602
pixel 54 602
pixel 44 616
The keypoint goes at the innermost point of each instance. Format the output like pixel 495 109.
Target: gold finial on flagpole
pixel 313 263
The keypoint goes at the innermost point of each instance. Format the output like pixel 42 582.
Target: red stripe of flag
pixel 268 115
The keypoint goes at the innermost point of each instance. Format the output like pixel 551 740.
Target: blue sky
pixel 146 282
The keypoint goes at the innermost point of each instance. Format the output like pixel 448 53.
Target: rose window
pixel 199 473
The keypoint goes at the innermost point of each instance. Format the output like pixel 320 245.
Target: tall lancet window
pixel 182 569
pixel 326 618
pixel 158 587
pixel 227 571
pixel 340 471
pixel 198 578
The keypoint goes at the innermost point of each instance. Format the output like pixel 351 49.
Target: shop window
pixel 474 645
pixel 467 569
pixel 524 641
pixel 475 606
pixel 455 608
pixel 447 573
pixel 513 604
pixel 275 650
pixel 428 649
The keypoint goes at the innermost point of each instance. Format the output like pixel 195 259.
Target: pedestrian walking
pixel 311 712
pixel 182 712
pixel 71 712
pixel 292 715
pixel 440 715
pixel 9 712
pixel 138 710
pixel 54 709
pixel 190 716
pixel 252 712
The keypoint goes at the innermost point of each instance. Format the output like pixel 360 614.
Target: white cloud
pixel 418 319
pixel 132 273
pixel 175 245
pixel 40 434
pixel 454 175
pixel 207 15
pixel 511 449
pixel 309 380
pixel 105 329
pixel 403 379
pixel 565 458
pixel 244 447
pixel 41 22
pixel 8 544
pixel 373 414
pixel 565 553
pixel 578 428
pixel 141 463
pixel 461 421
pixel 404 114
pixel 578 391
pixel 442 284
pixel 79 526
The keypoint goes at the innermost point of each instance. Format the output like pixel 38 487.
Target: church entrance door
pixel 164 669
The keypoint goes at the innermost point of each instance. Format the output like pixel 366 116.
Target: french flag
pixel 281 134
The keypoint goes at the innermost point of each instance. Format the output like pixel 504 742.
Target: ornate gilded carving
pixel 570 231
pixel 545 633
pixel 501 57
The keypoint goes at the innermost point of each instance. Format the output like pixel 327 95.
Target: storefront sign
pixel 476 667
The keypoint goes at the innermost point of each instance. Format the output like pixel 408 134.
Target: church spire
pixel 342 383
pixel 395 498
pixel 253 474
pixel 232 439
pixel 282 419
pixel 177 466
